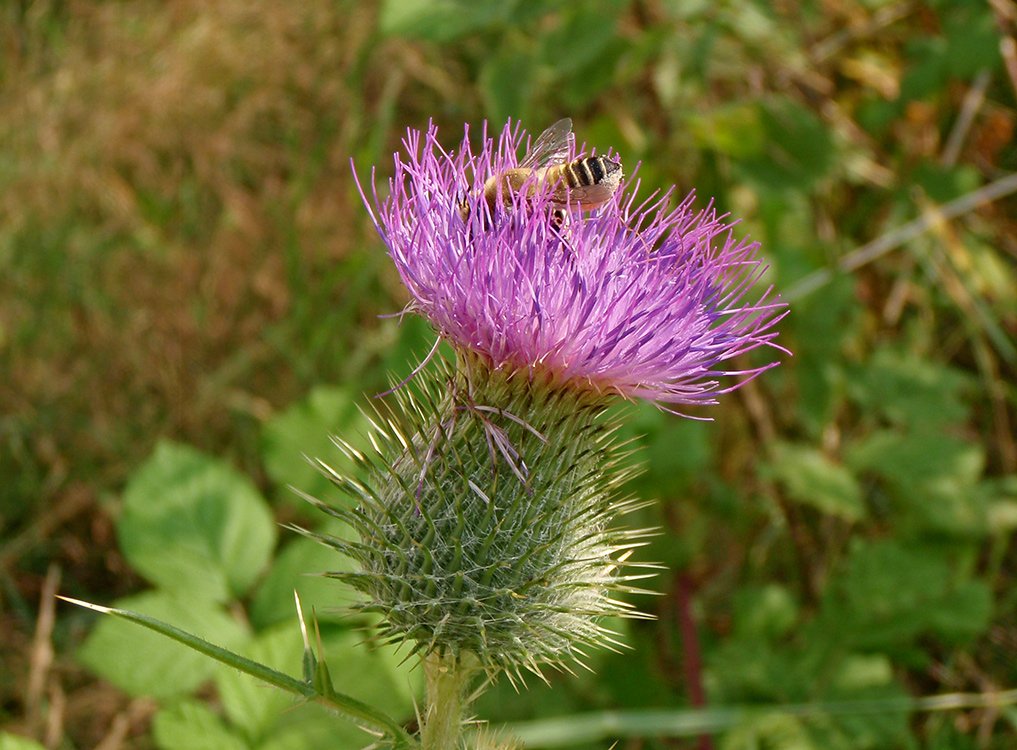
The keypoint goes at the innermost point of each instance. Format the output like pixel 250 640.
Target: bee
pixel 578 185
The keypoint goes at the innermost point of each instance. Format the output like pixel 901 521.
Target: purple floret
pixel 650 301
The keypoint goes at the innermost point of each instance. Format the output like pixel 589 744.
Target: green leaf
pixel 888 596
pixel 442 20
pixel 506 83
pixel 674 452
pixel 305 429
pixel 909 391
pixel 972 40
pixel 141 662
pixel 811 478
pixel 190 725
pixel 766 611
pixel 734 129
pixel 926 68
pixel 373 677
pixel 799 148
pixel 297 568
pixel 822 325
pixel 345 704
pixel 195 525
pixel 774 731
pixel 581 35
pixel 15 742
pixel 931 477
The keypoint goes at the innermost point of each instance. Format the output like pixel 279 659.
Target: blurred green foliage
pixel 189 302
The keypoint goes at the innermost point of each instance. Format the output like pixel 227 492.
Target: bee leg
pixel 558 221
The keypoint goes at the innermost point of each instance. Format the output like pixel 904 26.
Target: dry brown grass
pixel 169 172
pixel 177 218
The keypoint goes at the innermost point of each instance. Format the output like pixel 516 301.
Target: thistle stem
pixel 448 682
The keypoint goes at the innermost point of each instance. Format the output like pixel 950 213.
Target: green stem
pixel 448 683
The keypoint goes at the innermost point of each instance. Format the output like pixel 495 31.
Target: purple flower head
pixel 649 301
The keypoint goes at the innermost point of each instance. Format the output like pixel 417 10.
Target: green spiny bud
pixel 485 531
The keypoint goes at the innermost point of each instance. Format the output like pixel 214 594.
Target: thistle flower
pixel 485 530
pixel 643 300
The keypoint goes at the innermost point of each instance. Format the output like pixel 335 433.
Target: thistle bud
pixel 485 529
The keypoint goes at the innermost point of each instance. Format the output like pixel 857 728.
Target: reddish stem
pixel 691 654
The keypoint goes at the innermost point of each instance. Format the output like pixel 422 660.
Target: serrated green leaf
pixel 193 524
pixel 888 595
pixel 141 662
pixel 305 429
pixel 932 478
pixel 190 725
pixel 811 478
pixel 909 391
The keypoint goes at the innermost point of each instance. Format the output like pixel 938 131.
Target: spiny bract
pixel 484 530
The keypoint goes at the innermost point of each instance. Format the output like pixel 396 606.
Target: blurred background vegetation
pixel 190 295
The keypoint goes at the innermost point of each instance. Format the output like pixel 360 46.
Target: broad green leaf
pixel 304 431
pixel 193 524
pixel 15 742
pixel 811 478
pixel 442 20
pixel 142 662
pixel 909 391
pixel 932 478
pixel 632 678
pixel 369 675
pixel 307 726
pixel 249 703
pixel 582 34
pixel 190 725
pixel 674 452
pixel 888 596
pixel 926 68
pixel 344 704
pixel 942 184
pixel 972 39
pixel 299 567
pixel 822 325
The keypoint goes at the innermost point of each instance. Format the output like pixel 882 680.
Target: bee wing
pixel 551 146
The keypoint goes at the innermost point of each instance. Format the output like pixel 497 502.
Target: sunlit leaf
pixel 190 725
pixel 303 431
pixel 142 662
pixel 812 478
pixel 193 524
